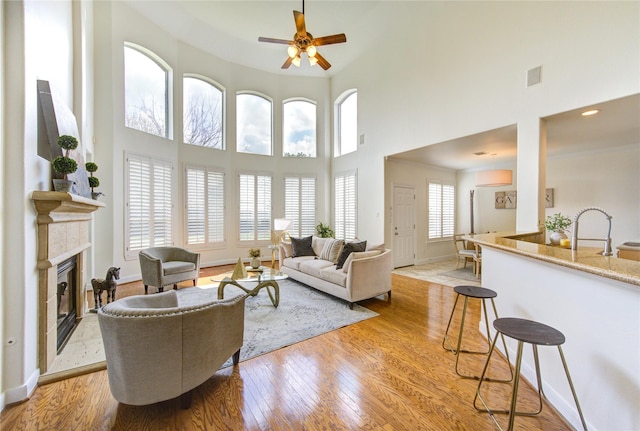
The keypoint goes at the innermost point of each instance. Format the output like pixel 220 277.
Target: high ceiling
pixel 230 30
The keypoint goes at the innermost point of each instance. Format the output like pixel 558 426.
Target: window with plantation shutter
pixel 300 205
pixel 441 210
pixel 148 203
pixel 204 205
pixel 345 205
pixel 255 207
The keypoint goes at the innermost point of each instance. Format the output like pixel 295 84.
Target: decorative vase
pixel 255 262
pixel 62 185
pixel 555 237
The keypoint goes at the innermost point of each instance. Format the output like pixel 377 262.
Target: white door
pixel 403 226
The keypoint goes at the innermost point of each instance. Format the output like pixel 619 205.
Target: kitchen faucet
pixel 607 241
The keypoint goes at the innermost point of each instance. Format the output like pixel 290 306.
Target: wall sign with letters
pixel 509 199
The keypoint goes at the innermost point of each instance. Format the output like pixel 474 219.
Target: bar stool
pixel 478 293
pixel 536 334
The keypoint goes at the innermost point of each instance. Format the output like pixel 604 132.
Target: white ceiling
pixel 230 30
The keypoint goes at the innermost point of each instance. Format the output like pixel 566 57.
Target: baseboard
pixel 23 392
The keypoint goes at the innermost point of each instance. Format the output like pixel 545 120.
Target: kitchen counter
pixel 585 259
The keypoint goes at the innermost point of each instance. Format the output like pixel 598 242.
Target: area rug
pixel 303 313
pixel 442 272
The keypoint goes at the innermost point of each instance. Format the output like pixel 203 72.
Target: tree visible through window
pixel 347 124
pixel 204 205
pixel 146 91
pixel 148 203
pixel 253 124
pixel 441 210
pixel 202 113
pixel 255 207
pixel 345 206
pixel 300 204
pixel 299 129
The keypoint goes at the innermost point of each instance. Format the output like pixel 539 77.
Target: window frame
pixel 223 109
pixel 152 219
pixel 315 126
pixel 338 146
pixel 446 211
pixel 168 83
pixel 271 129
pixel 188 186
pixel 302 225
pixel 256 239
pixel 342 216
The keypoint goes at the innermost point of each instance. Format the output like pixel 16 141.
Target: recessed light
pixel 590 112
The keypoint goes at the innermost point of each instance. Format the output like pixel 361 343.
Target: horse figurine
pixel 109 284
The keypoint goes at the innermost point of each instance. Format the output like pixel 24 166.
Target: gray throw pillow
pixel 302 246
pixel 349 248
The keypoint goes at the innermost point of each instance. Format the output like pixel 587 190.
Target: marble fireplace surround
pixel 63 231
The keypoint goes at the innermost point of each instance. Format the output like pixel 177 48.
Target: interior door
pixel 403 225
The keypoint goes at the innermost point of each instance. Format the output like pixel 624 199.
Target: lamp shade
pixel 281 224
pixel 494 178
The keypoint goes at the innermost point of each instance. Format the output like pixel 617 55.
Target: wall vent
pixel 534 76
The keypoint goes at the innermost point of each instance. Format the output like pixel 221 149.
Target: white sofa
pixel 365 274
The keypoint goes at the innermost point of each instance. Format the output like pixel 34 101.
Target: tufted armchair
pixel 164 266
pixel 159 347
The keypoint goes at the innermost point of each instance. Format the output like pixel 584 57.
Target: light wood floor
pixel 386 373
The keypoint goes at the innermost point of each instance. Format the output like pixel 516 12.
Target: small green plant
pixel 93 181
pixel 64 164
pixel 325 231
pixel 254 252
pixel 557 222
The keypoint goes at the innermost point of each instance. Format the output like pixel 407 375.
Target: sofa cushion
pixel 302 246
pixel 176 267
pixel 359 255
pixel 314 266
pixel 318 243
pixel 349 248
pixel 333 275
pixel 331 249
pixel 288 250
pixel 375 247
pixel 294 262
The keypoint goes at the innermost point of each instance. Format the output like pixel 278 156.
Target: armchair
pixel 162 346
pixel 462 252
pixel 163 266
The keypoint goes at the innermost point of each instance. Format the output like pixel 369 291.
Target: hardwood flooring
pixel 386 373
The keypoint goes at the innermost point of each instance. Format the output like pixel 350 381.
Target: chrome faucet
pixel 607 241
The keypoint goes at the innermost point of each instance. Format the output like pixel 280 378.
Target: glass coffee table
pixel 264 277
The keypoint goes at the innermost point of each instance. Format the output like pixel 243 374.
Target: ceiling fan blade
pixel 300 27
pixel 322 61
pixel 272 40
pixel 328 40
pixel 287 63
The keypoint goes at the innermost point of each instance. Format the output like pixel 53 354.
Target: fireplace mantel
pixel 63 231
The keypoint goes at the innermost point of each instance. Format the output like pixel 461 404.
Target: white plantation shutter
pixel 345 192
pixel 300 204
pixel 441 210
pixel 205 205
pixel 148 203
pixel 255 207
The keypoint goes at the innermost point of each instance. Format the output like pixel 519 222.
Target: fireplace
pixel 63 236
pixel 66 299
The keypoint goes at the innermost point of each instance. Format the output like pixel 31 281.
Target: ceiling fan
pixel 305 42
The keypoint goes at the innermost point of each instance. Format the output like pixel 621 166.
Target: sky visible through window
pixel 253 124
pixel 299 129
pixel 349 124
pixel 202 111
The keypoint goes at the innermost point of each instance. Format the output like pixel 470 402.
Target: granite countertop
pixel 587 259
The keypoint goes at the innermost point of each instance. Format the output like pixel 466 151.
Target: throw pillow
pixel 349 248
pixel 359 255
pixel 288 250
pixel 302 246
pixel 331 249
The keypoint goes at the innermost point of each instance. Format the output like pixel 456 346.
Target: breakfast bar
pixel 594 300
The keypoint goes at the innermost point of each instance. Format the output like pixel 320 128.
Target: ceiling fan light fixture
pixel 313 61
pixel 311 51
pixel 292 50
pixel 296 61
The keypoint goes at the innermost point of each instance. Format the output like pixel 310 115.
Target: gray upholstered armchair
pixel 159 347
pixel 164 266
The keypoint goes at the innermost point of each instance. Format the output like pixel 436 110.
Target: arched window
pixel 347 123
pixel 146 91
pixel 203 112
pixel 254 115
pixel 298 128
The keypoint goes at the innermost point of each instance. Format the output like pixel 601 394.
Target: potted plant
pixel 557 224
pixel 93 181
pixel 254 254
pixel 324 231
pixel 64 164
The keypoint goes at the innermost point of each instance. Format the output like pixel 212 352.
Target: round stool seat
pixel 475 292
pixel 529 331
